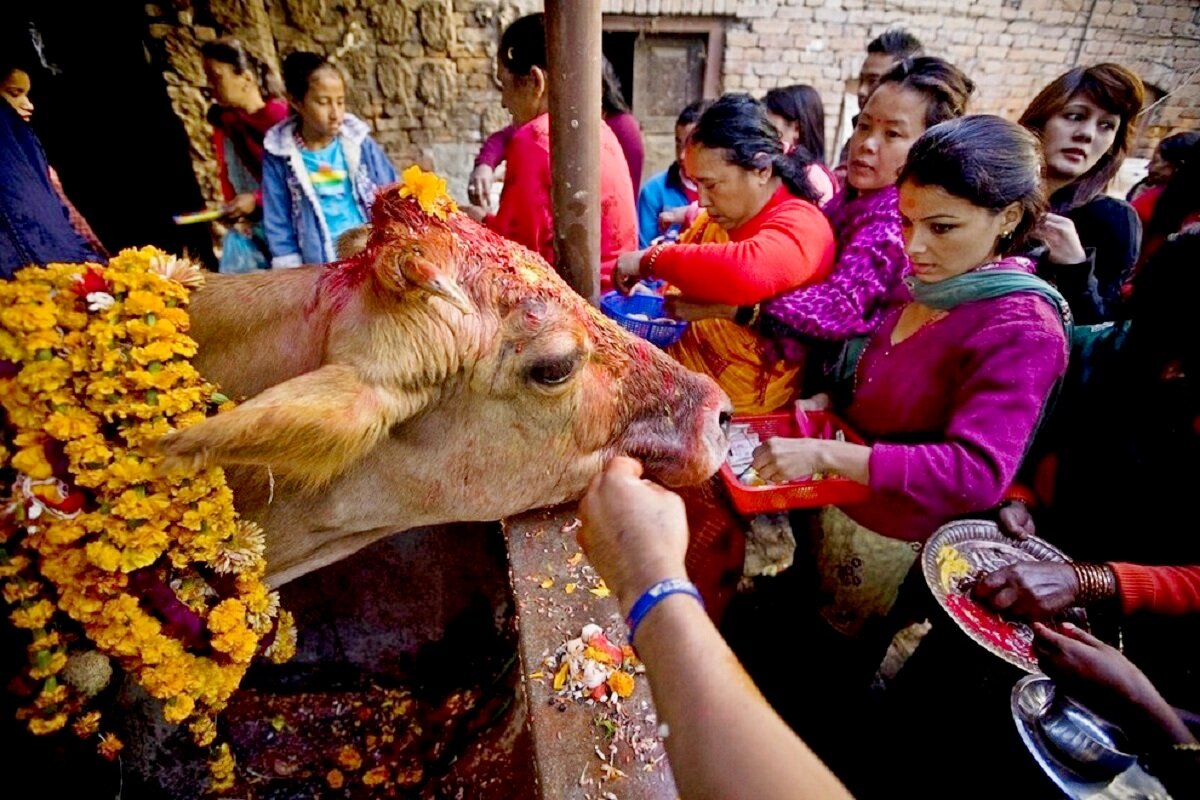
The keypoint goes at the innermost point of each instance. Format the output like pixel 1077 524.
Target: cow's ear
pixel 401 266
pixel 310 428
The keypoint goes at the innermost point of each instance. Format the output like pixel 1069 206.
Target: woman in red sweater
pixel 760 235
pixel 526 214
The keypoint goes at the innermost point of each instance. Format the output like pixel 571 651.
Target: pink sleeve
pixel 525 214
pixel 1009 375
pixel 494 147
pixel 1159 590
pixel 867 271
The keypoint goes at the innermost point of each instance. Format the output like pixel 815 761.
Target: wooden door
pixel 668 74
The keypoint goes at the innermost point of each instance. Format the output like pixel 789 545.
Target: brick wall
pixel 1010 48
pixel 420 71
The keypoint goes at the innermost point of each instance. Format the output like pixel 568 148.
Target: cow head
pixel 460 379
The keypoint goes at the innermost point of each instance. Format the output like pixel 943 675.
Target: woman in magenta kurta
pixel 525 214
pixel 950 387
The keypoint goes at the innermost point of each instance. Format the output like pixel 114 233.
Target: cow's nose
pixel 723 419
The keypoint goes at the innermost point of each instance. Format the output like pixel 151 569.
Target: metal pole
pixel 573 39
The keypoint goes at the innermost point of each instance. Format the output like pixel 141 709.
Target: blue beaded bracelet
pixel 655 594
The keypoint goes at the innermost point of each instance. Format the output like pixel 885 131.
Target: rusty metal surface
pixel 566 742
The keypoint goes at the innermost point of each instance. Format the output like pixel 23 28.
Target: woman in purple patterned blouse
pixel 950 387
pixel 916 94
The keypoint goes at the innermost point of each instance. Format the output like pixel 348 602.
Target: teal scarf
pixel 985 285
pixel 945 295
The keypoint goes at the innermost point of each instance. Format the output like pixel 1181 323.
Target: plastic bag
pixel 240 254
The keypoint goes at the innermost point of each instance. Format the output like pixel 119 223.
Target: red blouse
pixel 787 244
pixel 526 213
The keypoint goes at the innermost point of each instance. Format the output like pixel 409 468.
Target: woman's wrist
pixel 649 256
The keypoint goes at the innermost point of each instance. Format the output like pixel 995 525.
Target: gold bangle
pixel 646 268
pixel 1187 747
pixel 1096 582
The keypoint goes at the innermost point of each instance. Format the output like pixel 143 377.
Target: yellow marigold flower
pixel 10 348
pixel 28 317
pixel 47 339
pixel 621 682
pixel 87 725
pixel 33 616
pixel 133 504
pixel 222 768
pixel 139 303
pixel 64 532
pixel 430 191
pixel 45 376
pixel 178 708
pixel 103 555
pixel 52 694
pixel 136 558
pixel 109 746
pixel 17 591
pixel 129 471
pixel 14 566
pixel 32 462
pixel 71 423
pixel 204 731
pixel 88 450
pixel 40 726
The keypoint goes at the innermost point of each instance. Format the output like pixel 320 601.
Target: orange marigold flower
pixel 349 758
pixel 335 779
pixel 87 724
pixel 375 776
pixel 621 682
pixel 109 746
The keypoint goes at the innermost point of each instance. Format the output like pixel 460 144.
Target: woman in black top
pixel 1090 241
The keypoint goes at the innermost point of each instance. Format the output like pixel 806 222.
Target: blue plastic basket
pixel 619 307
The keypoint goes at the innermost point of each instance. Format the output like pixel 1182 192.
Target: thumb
pixel 623 467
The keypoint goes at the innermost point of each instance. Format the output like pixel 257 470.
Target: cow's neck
pixel 258 330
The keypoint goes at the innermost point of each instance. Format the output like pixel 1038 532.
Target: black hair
pixel 801 104
pixel 1178 200
pixel 738 124
pixel 897 43
pixel 612 100
pixel 523 45
pixel 946 86
pixel 228 50
pixel 691 113
pixel 1179 148
pixel 987 161
pixel 298 69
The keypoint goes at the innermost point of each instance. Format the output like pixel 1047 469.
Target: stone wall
pixel 421 71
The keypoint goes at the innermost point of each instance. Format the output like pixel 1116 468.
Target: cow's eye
pixel 553 371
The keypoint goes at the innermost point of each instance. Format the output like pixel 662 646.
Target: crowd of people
pixel 1010 341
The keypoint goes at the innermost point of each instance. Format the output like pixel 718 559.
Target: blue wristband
pixel 653 596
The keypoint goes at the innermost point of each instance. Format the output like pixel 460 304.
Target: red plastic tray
pixel 833 491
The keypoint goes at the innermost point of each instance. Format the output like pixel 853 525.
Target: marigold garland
pixel 99 548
